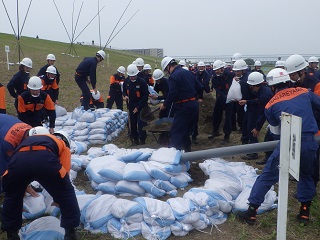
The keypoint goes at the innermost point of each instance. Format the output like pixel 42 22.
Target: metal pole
pixel 232 150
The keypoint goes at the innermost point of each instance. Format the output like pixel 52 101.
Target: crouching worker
pixel 46 159
pixel 96 100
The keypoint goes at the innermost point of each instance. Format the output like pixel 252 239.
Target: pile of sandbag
pixel 93 127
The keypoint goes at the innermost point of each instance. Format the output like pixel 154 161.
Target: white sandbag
pixel 218 218
pixel 155 232
pixel 51 207
pixel 143 157
pixel 81 132
pixel 98 131
pixel 78 147
pixel 202 223
pixel 155 172
pixel 77 113
pixel 156 212
pixel 234 93
pixel 108 187
pixel 127 211
pixel 129 187
pixel 180 229
pixel 130 157
pixel 81 125
pixel 95 165
pixel 206 204
pixel 166 155
pixel 98 141
pixel 70 122
pixel 241 203
pixel 150 188
pixel 135 172
pixel 43 228
pixel 60 111
pixel 110 149
pixel 83 199
pixel 94 152
pixel 82 138
pixel 87 116
pixel 113 170
pixel 96 214
pixel 181 180
pixel 76 163
pixel 154 93
pixel 232 187
pixel 97 124
pixel 122 230
pixel 33 207
pixel 165 185
pixel 184 210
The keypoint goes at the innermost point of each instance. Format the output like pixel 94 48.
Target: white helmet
pixel 132 70
pixel 64 136
pixel 157 74
pixel 35 83
pixel 313 59
pixel 134 62
pixel 101 53
pixel 182 63
pixel 295 63
pixel 121 69
pixel 38 131
pixel 52 70
pixel 139 62
pixel 147 67
pixel 240 65
pixel 185 67
pixel 96 96
pixel 26 62
pixel 279 63
pixel 217 65
pixel 201 64
pixel 255 78
pixel 51 57
pixel 165 61
pixel 236 56
pixel 277 75
pixel 257 64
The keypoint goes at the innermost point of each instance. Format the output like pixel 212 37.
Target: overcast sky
pixel 180 27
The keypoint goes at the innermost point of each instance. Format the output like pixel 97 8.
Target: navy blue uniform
pixel 17 85
pixel 296 101
pixel 51 87
pixel 43 71
pixel 138 98
pixel 45 159
pixel 183 89
pixel 87 68
pixel 115 92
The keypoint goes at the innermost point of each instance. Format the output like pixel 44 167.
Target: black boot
pixel 214 134
pixel 71 234
pixel 303 216
pixel 248 216
pixel 226 138
pixel 13 236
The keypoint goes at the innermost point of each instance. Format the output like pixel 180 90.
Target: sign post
pixel 290 145
pixel 7 49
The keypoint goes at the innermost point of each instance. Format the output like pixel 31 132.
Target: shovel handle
pixel 154 110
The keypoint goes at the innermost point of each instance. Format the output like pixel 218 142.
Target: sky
pixel 180 27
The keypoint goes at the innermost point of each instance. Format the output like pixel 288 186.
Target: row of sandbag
pixel 138 172
pixel 93 127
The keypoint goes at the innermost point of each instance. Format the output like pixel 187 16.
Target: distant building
pixel 154 52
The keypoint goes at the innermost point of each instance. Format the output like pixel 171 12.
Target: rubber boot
pixel 303 216
pixel 71 234
pixel 248 216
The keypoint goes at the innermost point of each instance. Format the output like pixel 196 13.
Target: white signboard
pixel 7 48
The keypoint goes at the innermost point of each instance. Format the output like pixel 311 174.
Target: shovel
pixel 146 114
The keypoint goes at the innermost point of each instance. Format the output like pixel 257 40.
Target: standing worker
pixel 46 159
pixel 50 62
pixel 18 83
pixel 116 85
pixel 298 102
pixel 50 83
pixel 34 104
pixel 183 90
pixel 135 92
pixel 87 68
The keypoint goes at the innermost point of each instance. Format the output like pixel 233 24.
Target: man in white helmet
pixel 87 69
pixel 18 83
pixel 183 91
pixel 116 85
pixel 257 68
pixel 147 74
pixel 46 159
pixel 287 99
pixel 135 92
pixel 33 103
pixel 51 59
pixel 96 100
pixel 313 66
pixel 50 83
